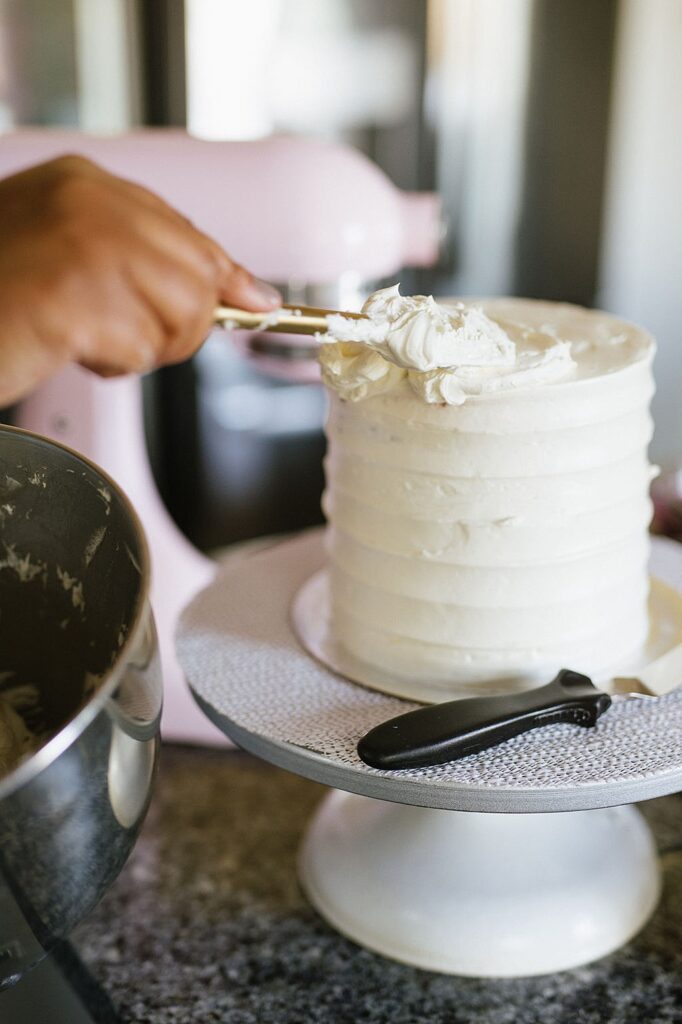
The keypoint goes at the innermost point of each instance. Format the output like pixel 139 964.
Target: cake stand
pixel 524 859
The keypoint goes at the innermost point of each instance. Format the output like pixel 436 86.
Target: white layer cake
pixel 488 521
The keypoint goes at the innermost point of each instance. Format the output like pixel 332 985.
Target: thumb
pixel 239 287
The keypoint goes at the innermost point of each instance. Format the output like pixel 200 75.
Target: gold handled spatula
pixel 285 320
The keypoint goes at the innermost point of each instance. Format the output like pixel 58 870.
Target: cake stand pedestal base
pixel 486 895
pixel 519 860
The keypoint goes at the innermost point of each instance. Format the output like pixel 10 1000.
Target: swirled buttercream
pixel 449 351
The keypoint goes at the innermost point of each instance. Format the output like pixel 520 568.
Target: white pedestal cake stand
pixel 466 868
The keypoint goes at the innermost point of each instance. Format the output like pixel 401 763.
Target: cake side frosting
pixel 505 533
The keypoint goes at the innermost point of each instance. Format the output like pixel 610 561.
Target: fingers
pixel 236 285
pixel 132 342
pixel 183 275
pixel 182 302
pixel 100 271
pixel 175 235
pixel 242 289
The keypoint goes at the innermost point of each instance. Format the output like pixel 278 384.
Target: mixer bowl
pixel 79 659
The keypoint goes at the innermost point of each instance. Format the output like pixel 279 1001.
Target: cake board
pixel 466 868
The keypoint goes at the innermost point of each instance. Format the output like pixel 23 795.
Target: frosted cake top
pixel 447 352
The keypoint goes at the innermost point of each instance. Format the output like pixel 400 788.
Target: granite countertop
pixel 207 924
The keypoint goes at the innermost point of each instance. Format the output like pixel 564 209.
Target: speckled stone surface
pixel 207 924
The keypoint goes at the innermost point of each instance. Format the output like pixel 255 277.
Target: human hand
pixel 99 271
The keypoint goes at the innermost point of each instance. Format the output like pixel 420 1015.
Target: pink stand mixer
pixel 299 213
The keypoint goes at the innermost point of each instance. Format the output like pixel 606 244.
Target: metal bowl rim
pixel 50 751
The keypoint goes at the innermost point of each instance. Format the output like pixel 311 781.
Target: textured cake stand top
pixel 253 679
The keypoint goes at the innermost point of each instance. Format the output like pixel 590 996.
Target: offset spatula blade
pixel 660 677
pixel 446 732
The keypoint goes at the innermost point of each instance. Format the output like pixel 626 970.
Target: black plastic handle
pixel 449 731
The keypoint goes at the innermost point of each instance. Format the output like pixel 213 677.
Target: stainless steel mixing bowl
pixel 77 635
